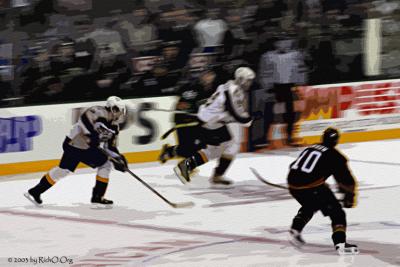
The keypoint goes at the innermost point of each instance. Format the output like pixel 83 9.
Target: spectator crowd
pixel 69 50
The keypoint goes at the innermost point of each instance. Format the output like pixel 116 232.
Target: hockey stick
pixel 259 177
pixel 172 204
pixel 190 124
pixel 165 135
pixel 173 111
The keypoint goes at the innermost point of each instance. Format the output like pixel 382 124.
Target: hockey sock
pixel 45 183
pixel 171 151
pixel 339 234
pixel 223 165
pixel 300 220
pixel 100 188
pixel 197 159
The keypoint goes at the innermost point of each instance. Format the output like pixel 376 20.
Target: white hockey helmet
pixel 244 73
pixel 116 106
pixel 244 77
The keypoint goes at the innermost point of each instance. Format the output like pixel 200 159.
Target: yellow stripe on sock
pixel 228 157
pixel 203 156
pixel 339 229
pixel 49 179
pixel 101 179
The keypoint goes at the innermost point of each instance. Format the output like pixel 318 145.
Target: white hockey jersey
pixel 92 123
pixel 228 104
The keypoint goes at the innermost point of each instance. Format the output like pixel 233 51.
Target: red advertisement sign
pixel 330 102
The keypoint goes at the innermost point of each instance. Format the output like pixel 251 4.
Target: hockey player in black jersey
pixel 306 182
pixel 227 105
pixel 92 141
pixel 192 95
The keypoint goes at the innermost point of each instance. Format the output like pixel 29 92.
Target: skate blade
pixel 162 160
pixel 221 186
pixel 296 243
pixel 98 206
pixel 31 199
pixel 179 175
pixel 348 252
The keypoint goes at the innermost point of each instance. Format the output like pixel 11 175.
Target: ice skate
pixel 34 198
pixel 346 249
pixel 101 203
pixel 221 182
pixel 182 170
pixel 295 238
pixel 164 154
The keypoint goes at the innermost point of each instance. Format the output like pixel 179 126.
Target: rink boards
pixel 363 111
pixel 31 137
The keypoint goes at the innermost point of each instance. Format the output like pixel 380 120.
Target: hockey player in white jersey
pixel 227 105
pixel 97 126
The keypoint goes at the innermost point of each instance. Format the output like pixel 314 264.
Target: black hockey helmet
pixel 330 137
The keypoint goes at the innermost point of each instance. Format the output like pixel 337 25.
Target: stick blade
pixel 165 135
pixel 262 179
pixel 256 174
pixel 188 204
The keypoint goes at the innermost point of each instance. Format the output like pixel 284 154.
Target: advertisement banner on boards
pixel 36 133
pixel 352 107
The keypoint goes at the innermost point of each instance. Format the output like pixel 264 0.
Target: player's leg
pixel 187 138
pixel 299 221
pixel 68 164
pixel 167 152
pixel 189 141
pixel 304 215
pixel 334 210
pixel 186 166
pixel 102 179
pixel 218 176
pixel 96 159
pixel 213 139
pixel 45 183
pixel 229 150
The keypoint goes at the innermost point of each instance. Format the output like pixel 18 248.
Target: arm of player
pixel 88 119
pixel 119 161
pixel 104 132
pixel 94 124
pixel 243 118
pixel 346 182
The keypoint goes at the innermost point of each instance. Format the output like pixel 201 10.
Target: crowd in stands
pixel 67 50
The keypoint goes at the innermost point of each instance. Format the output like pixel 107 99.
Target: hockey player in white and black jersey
pixel 227 105
pixel 91 141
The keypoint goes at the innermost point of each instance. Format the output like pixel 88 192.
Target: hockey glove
pixel 104 133
pixel 349 200
pixel 120 163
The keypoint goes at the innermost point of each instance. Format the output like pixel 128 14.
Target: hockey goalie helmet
pixel 330 137
pixel 244 77
pixel 117 107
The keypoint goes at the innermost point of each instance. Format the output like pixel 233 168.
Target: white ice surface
pixel 242 226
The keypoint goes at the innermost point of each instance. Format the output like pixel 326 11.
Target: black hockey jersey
pixel 315 164
pixel 192 96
